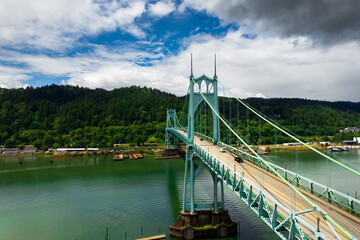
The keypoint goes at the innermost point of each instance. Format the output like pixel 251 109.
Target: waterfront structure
pixel 29 149
pixel 292 144
pixel 350 129
pixel 76 149
pixel 71 149
pixel 92 149
pixel 11 150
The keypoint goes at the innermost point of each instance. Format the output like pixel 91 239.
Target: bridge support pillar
pixel 203 224
pixel 222 195
pixel 215 181
pixel 189 178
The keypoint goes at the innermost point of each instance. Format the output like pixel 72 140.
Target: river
pixel 78 198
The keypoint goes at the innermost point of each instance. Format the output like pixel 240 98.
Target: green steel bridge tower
pixel 195 98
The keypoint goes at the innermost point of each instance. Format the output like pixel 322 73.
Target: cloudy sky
pixel 273 48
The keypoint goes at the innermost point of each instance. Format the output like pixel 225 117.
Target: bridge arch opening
pixel 211 88
pixel 196 88
pixel 204 119
pixel 203 86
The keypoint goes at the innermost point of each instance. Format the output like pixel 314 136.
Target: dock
pixel 139 155
pixel 118 157
pixel 162 236
pixel 171 154
pixel 168 157
pixel 338 148
pixel 122 156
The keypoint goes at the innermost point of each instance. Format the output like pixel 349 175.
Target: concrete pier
pixel 203 224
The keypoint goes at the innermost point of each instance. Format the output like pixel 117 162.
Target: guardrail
pixel 336 197
pixel 204 137
pixel 277 216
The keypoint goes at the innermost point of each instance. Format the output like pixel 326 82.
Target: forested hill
pixel 64 115
pixel 54 116
pixel 316 120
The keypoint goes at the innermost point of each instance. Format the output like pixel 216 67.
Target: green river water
pixel 78 198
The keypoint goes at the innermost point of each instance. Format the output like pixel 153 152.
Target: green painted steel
pixel 325 216
pixel 205 89
pixel 244 189
pixel 284 226
pixel 199 87
pixel 171 122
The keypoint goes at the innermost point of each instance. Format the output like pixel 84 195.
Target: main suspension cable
pixel 290 135
pixel 315 207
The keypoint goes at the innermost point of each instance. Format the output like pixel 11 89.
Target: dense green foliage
pixel 54 116
pixel 315 120
pixel 73 116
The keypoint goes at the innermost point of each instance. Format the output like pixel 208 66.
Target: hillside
pixel 73 116
pixel 315 120
pixel 64 115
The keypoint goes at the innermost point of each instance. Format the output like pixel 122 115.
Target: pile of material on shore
pixel 132 156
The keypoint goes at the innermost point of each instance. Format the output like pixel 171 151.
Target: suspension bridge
pixel 293 206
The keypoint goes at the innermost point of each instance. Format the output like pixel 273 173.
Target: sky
pixel 274 48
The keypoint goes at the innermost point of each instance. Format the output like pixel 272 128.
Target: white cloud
pixel 58 24
pixel 270 67
pixel 275 67
pixel 126 74
pixel 161 8
pixel 12 77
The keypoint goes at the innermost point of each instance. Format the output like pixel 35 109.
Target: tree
pixel 56 145
pixel 10 142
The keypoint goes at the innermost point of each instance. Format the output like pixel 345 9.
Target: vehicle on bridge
pixel 238 159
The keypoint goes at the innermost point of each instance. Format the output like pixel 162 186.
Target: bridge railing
pixel 204 137
pixel 176 133
pixel 272 212
pixel 334 196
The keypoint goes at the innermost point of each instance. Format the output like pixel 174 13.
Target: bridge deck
pixel 280 191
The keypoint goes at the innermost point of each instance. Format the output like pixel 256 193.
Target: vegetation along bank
pixel 67 116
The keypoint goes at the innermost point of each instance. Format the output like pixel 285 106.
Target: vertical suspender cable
pixel 324 215
pixel 247 125
pixel 275 146
pixel 293 137
pixel 230 121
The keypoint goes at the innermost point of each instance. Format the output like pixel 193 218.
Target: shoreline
pixel 156 152
pixel 105 152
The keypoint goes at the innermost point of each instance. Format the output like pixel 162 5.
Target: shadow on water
pixel 171 174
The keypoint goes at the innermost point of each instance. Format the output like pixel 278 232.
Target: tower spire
pixel 215 66
pixel 191 75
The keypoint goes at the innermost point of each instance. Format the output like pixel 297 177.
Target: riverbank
pixel 156 150
pixel 286 148
pixel 53 153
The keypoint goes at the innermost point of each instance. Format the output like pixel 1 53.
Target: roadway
pixel 274 186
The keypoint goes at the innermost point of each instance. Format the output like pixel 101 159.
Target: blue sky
pixel 278 49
